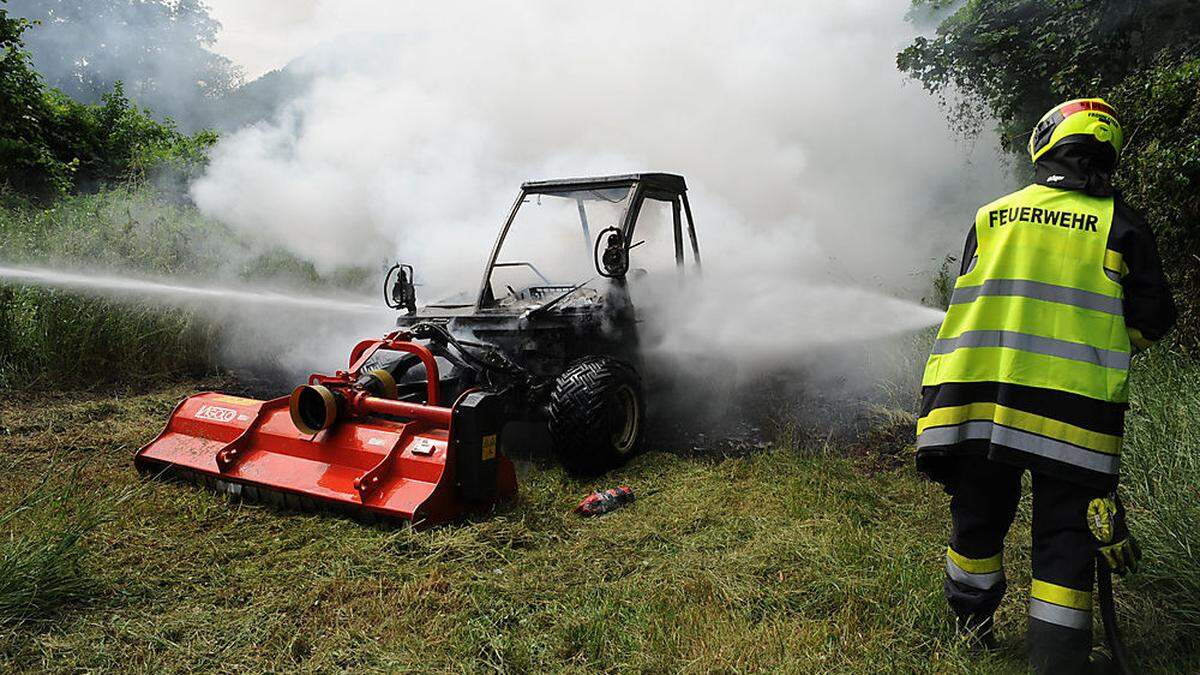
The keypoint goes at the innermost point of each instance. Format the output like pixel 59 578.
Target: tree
pixel 160 49
pixel 50 143
pixel 27 164
pixel 1011 60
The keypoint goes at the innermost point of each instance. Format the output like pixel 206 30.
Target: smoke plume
pixel 825 189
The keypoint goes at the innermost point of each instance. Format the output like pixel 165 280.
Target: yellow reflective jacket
pixel 1030 366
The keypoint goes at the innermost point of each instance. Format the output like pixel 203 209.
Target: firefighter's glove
pixel 1106 520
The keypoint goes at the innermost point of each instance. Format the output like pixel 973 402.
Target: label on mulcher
pixel 216 413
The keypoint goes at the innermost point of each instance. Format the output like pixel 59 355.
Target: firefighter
pixel 1060 283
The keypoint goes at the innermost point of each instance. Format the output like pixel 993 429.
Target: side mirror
pixel 614 261
pixel 398 289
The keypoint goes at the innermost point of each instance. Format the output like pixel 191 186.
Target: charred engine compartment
pixel 513 350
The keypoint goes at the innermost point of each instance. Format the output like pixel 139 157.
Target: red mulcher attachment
pixel 344 441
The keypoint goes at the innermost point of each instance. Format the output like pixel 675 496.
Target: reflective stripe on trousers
pixel 1060 605
pixel 981 573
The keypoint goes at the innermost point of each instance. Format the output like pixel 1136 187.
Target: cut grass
pixel 783 560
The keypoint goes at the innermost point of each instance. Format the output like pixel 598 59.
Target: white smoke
pixel 822 182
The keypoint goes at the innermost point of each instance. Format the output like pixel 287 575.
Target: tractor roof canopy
pixel 657 182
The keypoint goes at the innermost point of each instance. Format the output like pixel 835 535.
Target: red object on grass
pixel 599 503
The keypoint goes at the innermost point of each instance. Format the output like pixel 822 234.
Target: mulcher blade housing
pixel 392 460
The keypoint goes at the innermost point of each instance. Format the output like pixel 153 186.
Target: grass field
pixel 796 560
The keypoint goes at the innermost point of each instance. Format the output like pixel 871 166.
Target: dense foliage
pixel 1011 60
pixel 50 143
pixel 160 49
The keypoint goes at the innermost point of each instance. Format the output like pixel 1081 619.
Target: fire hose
pixel 1119 552
pixel 1108 614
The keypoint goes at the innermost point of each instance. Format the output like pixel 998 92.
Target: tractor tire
pixel 597 415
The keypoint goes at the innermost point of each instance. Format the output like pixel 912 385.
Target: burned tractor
pixel 414 428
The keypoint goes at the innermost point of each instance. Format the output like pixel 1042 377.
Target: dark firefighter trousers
pixel 982 506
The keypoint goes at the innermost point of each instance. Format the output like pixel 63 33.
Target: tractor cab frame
pixel 637 189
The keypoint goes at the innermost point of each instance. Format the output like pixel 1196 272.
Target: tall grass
pixel 50 337
pixel 43 554
pixel 53 337
pixel 1161 487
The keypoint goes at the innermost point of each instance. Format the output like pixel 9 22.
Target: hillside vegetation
pixel 50 338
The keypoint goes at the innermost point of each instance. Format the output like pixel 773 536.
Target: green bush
pixel 1160 173
pixel 1011 60
pixel 50 143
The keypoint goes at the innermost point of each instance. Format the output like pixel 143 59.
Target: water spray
pixel 114 285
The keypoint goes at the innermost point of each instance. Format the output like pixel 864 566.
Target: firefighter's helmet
pixel 1083 120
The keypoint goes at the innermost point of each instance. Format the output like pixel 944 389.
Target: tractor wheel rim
pixel 626 408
